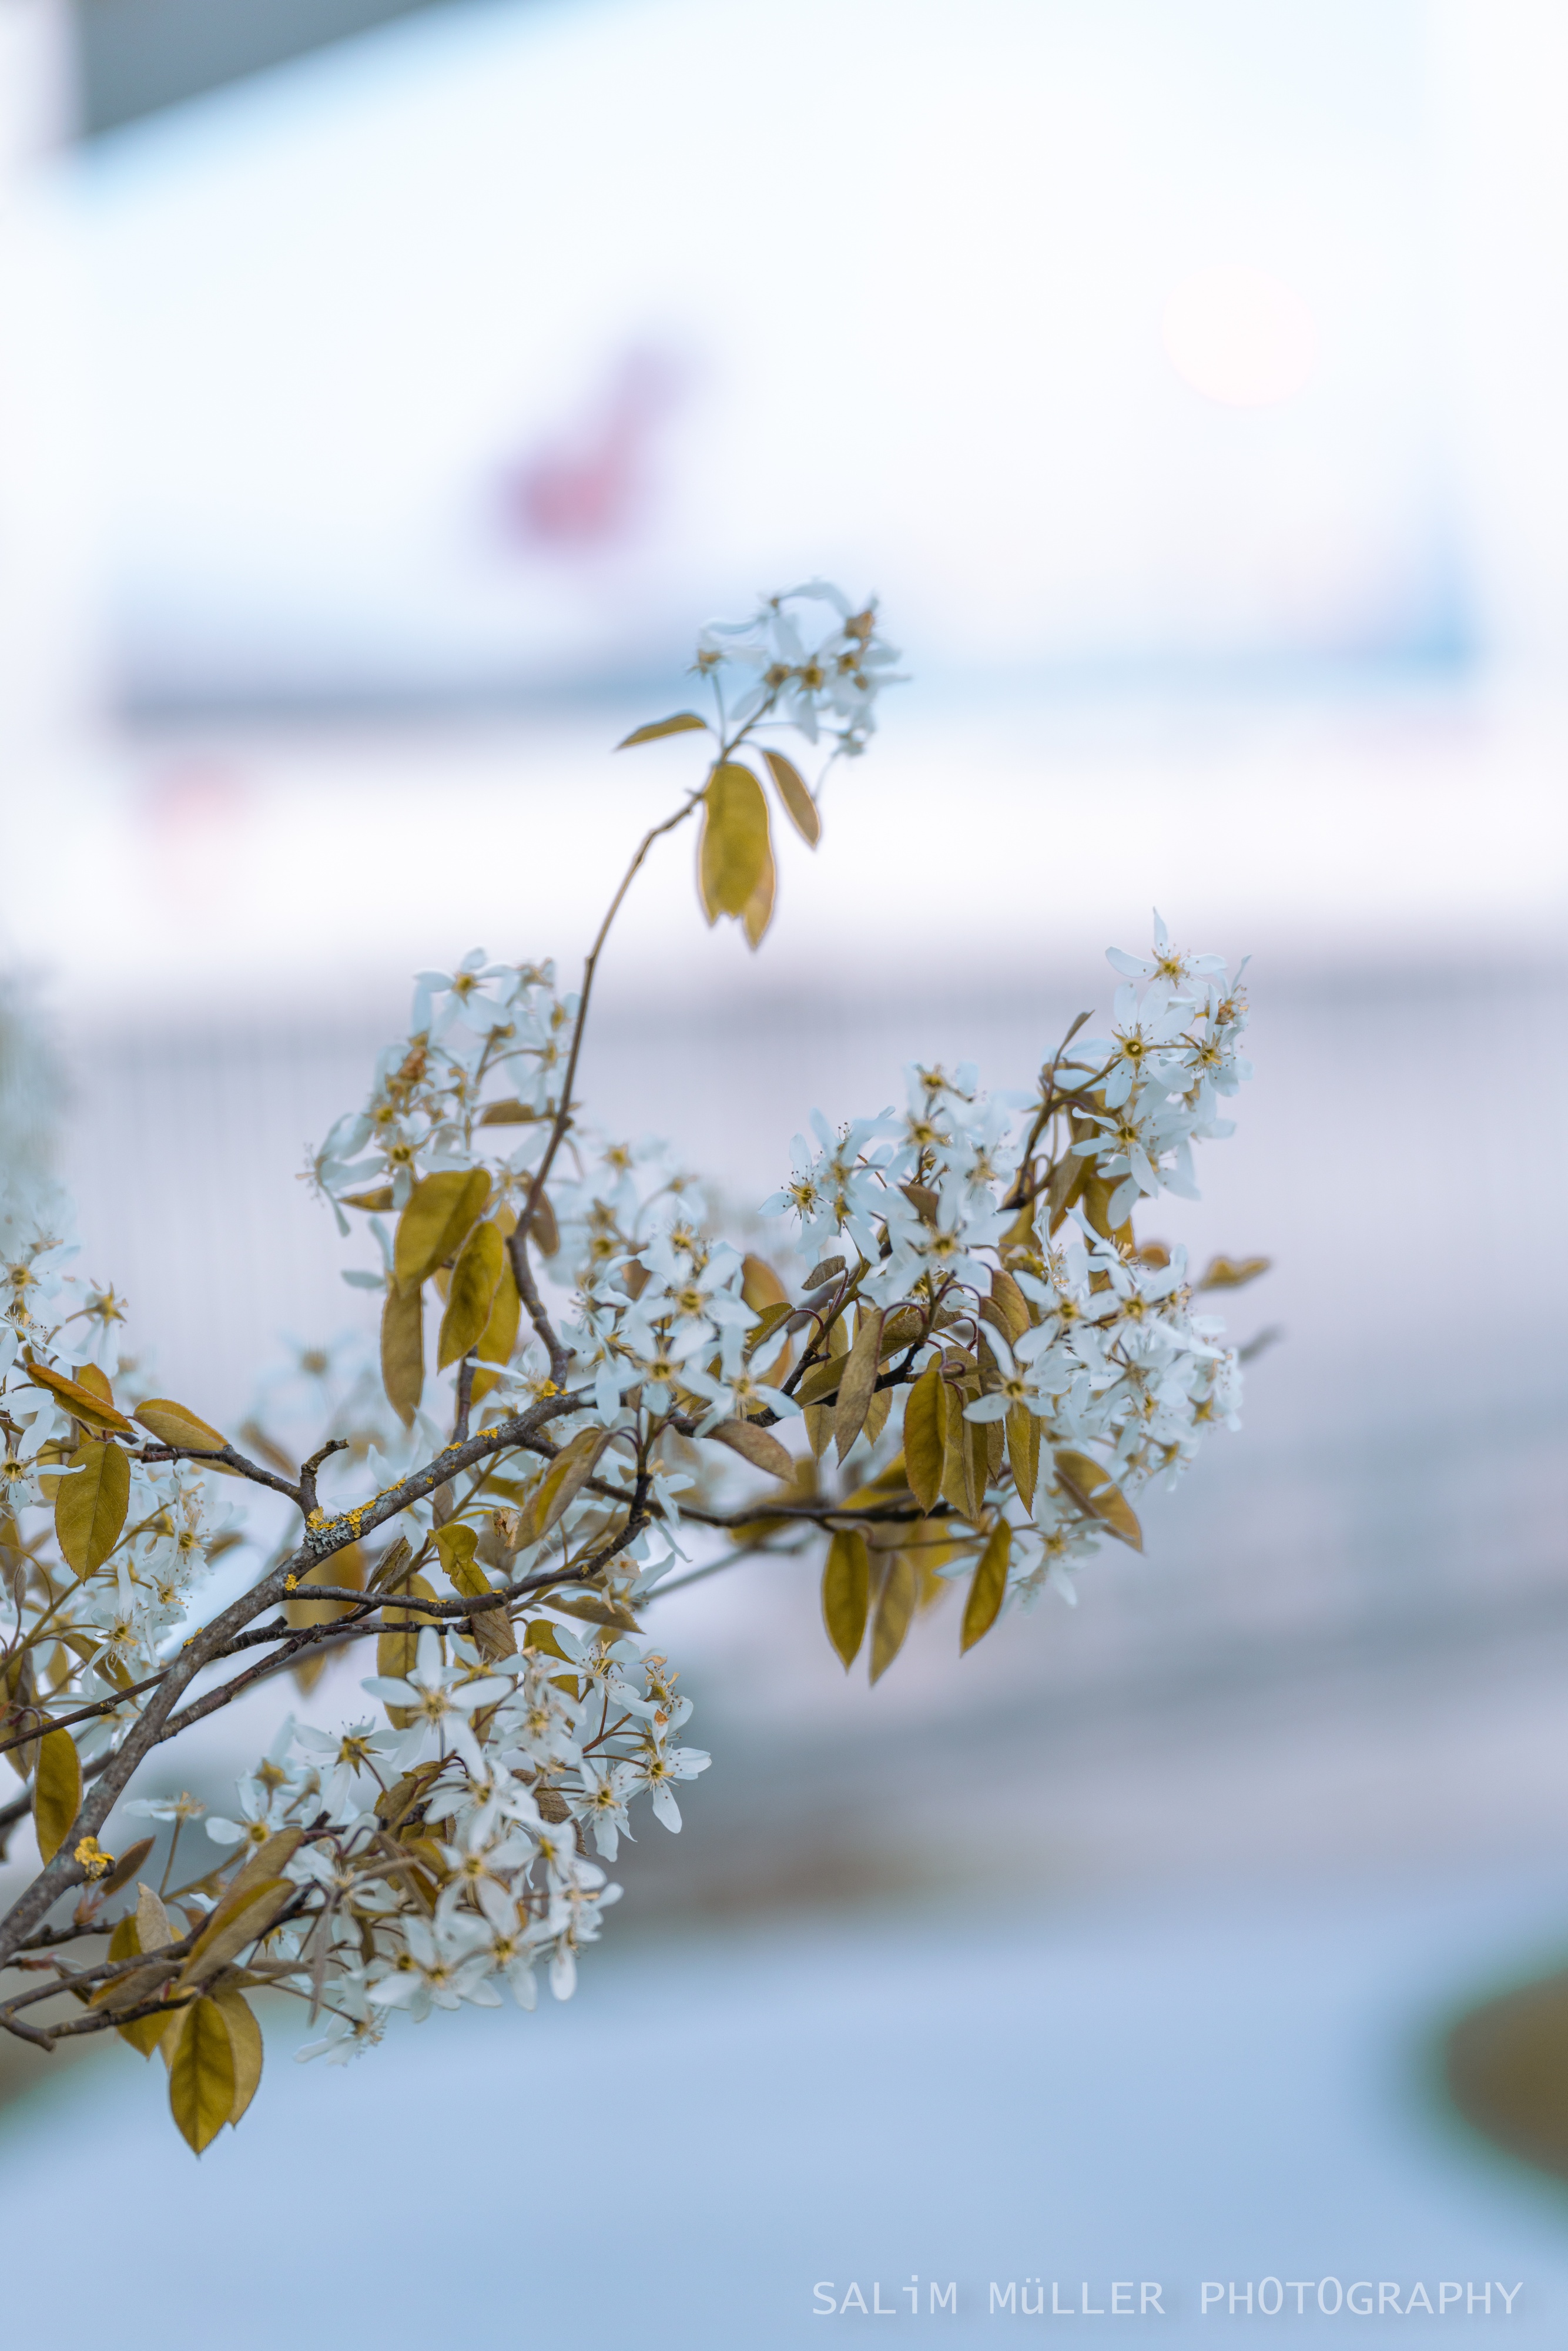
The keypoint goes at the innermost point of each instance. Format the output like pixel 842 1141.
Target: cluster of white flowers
pixel 136 1604
pixel 37 1248
pixel 828 686
pixel 659 1310
pixel 123 1616
pixel 1172 1052
pixel 469 1026
pixel 496 1772
pixel 1113 1357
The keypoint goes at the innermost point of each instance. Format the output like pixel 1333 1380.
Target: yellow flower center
pixel 90 1855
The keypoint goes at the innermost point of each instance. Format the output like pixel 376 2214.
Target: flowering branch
pixel 976 1377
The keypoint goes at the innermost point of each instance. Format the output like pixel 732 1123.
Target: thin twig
pixel 465 1403
pixel 228 1459
pixel 528 1291
pixel 64 1871
pixel 306 1495
pixel 47 1722
pixel 591 965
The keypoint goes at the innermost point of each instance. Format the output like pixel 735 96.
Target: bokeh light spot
pixel 1241 336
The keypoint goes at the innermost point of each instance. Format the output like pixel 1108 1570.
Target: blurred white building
pixel 474 356
pixel 482 352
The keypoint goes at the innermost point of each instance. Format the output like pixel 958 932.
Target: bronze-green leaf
pixel 822 1380
pixel 734 853
pixel 230 1930
pixel 154 1930
pixel 685 722
pixel 245 2047
pixel 499 1336
pixel 125 1868
pixel 758 1445
pixel 988 1587
pixel 18 1698
pixel 435 1225
pixel 570 1471
pixel 1099 1191
pixel 403 1350
pixel 1011 1304
pixel 799 806
pixel 1023 1451
pixel 758 910
pixel 846 1594
pixel 544 1233
pixel 269 1860
pixel 57 1790
pixel 957 1451
pixel 894 1611
pixel 1094 1489
pixel 90 1506
pixel 492 1628
pixel 456 1544
pixel 475 1278
pixel 761 1286
pixel 176 1423
pixel 858 1386
pixel 594 1611
pixel 90 1401
pixel 922 1436
pixel 202 2073
pixel 1229 1272
pixel 148 2030
pixel 345 1568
